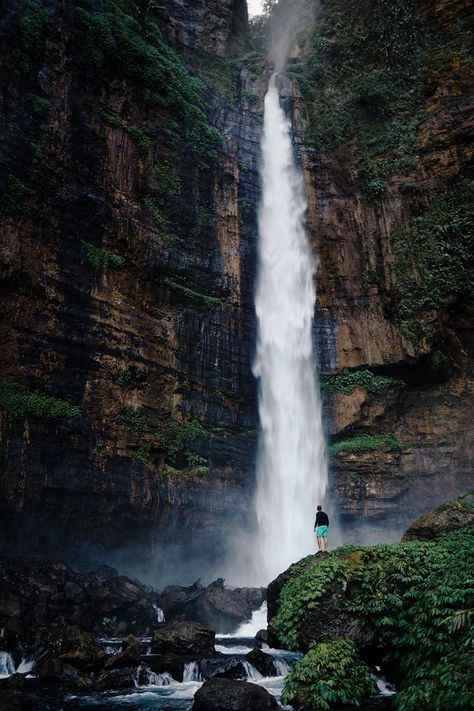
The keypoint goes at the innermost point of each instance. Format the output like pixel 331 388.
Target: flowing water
pixel 292 470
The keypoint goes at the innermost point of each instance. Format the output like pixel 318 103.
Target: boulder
pixel 262 662
pixel 215 606
pixel 276 586
pixel 128 657
pixel 161 663
pixel 55 670
pixel 229 695
pixel 116 679
pixel 261 638
pixel 222 666
pixel 79 650
pixel 448 517
pixel 183 638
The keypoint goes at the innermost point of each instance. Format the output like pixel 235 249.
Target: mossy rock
pixel 448 517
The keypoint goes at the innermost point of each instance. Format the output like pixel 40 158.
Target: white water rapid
pixel 292 470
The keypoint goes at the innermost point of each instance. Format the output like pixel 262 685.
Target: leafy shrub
pixel 141 454
pixel 330 673
pixel 39 104
pixel 375 190
pixel 363 443
pixel 19 402
pixel 348 380
pixel 101 259
pixel 166 180
pixel 417 598
pixel 135 420
pixel 32 34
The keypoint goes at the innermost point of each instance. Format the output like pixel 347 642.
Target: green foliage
pixel 141 454
pixel 348 380
pixel 101 259
pixel 177 441
pixel 32 34
pixel 161 222
pixel 135 420
pixel 166 181
pixel 19 402
pixel 362 76
pixel 206 299
pixel 128 376
pixel 114 42
pixel 39 104
pixel 415 598
pixel 331 673
pixel 375 190
pixel 434 255
pixel 13 203
pixel 142 141
pixel 363 443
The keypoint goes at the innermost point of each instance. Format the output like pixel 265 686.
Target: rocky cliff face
pixel 127 257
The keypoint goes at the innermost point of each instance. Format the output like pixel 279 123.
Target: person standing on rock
pixel 321 527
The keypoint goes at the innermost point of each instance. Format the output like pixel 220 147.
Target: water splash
pixel 191 672
pixel 7 665
pixel 292 469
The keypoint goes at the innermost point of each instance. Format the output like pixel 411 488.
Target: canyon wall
pixel 127 254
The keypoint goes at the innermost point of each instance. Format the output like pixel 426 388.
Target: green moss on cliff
pixel 142 141
pixel 20 402
pixel 435 256
pixel 114 42
pixel 416 598
pixel 102 260
pixel 348 380
pixel 363 443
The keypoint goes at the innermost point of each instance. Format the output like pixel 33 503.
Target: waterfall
pixel 7 665
pixel 292 469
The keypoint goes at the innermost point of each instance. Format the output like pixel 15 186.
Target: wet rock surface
pixel 220 694
pixel 217 606
pixel 448 517
pixel 188 638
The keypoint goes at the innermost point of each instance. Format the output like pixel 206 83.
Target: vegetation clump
pixel 14 201
pixel 348 380
pixel 206 299
pixel 416 598
pixel 20 402
pixel 434 255
pixel 363 443
pixel 331 672
pixel 134 419
pixel 102 260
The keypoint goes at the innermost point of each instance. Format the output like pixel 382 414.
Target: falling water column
pixel 292 470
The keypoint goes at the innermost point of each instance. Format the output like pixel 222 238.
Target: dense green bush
pixel 348 380
pixel 330 673
pixel 134 419
pixel 20 402
pixel 435 254
pixel 34 18
pixel 101 259
pixel 418 600
pixel 363 443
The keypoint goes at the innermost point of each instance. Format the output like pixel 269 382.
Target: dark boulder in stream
pixel 229 695
pixel 216 605
pixel 187 638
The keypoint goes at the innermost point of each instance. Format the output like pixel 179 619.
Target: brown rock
pixel 220 694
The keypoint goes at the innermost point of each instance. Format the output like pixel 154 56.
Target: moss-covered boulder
pixel 450 516
pixel 408 607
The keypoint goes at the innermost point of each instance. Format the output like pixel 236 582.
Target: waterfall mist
pixel 291 469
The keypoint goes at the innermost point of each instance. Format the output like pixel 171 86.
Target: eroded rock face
pixel 448 517
pixel 219 694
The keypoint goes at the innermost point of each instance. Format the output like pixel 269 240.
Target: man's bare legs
pixel 320 543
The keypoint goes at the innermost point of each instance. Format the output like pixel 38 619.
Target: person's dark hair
pixel 320 508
